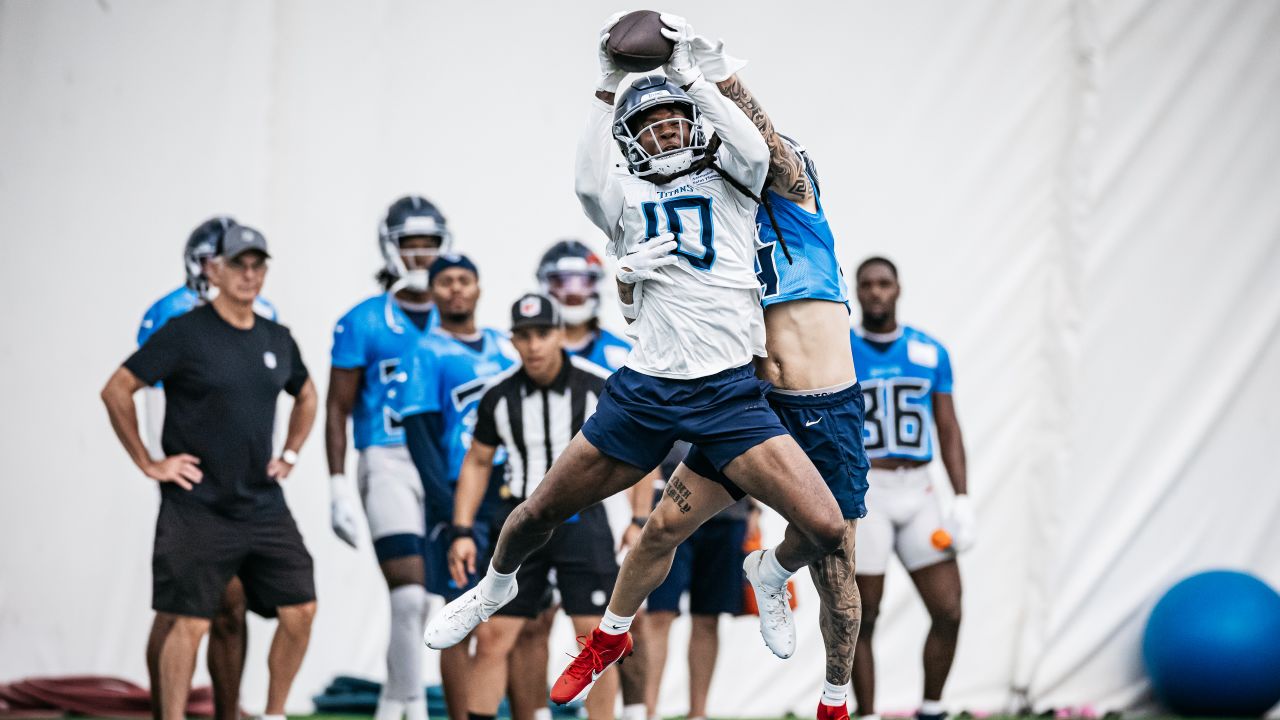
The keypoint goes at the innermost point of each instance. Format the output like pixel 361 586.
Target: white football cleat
pixel 777 624
pixel 455 622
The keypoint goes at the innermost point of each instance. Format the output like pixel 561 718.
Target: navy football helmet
pixel 641 96
pixel 570 272
pixel 411 216
pixel 202 244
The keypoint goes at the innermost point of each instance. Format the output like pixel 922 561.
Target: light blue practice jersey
pixel 898 382
pixel 813 273
pixel 373 337
pixel 180 302
pixel 606 350
pixel 446 375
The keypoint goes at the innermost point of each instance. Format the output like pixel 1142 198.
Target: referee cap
pixel 535 310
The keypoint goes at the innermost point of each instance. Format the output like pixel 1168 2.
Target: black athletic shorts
pixel 580 552
pixel 197 551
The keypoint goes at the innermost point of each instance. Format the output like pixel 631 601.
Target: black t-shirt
pixel 221 385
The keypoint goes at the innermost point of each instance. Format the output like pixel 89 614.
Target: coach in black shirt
pixel 222 511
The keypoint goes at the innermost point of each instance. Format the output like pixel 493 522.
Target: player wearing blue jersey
pixel 228 632
pixel 906 379
pixel 815 394
pixel 680 216
pixel 446 373
pixel 368 344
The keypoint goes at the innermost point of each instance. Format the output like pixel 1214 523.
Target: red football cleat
pixel 599 651
pixel 833 712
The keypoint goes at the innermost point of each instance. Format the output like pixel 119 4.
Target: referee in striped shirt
pixel 534 410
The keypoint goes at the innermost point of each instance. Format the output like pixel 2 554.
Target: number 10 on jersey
pixel 688 217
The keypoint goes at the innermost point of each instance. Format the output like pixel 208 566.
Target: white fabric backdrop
pixel 1081 197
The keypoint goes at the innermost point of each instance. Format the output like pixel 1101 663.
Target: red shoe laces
pixel 587 659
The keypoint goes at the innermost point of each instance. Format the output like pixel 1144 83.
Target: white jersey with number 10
pixel 708 319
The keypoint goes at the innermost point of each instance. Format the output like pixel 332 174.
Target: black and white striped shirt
pixel 537 423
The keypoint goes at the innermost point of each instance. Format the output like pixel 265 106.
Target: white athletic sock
pixel 932 707
pixel 772 573
pixel 416 709
pixel 273 717
pixel 635 711
pixel 494 585
pixel 615 624
pixel 389 709
pixel 404 651
pixel 834 695
pixel 542 713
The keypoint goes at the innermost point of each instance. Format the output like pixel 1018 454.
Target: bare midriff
pixel 896 463
pixel 808 345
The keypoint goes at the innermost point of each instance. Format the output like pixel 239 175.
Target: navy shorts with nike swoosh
pixel 829 430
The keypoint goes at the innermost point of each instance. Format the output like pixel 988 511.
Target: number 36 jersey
pixel 899 378
pixel 708 317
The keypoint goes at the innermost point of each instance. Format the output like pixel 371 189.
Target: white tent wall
pixel 1081 197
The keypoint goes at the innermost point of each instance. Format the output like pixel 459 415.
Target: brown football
pixel 636 43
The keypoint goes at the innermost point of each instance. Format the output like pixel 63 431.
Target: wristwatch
pixel 639 521
pixel 462 531
pixel 289 456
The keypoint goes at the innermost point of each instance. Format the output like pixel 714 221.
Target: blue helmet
pixel 641 96
pixel 570 272
pixel 203 244
pixel 411 216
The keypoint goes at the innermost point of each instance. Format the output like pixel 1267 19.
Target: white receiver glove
pixel 344 506
pixel 610 75
pixel 710 57
pixel 642 263
pixel 681 67
pixel 962 523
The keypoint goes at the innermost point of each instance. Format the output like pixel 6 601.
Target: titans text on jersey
pixel 899 379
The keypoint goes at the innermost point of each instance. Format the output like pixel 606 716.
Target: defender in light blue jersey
pixel 365 383
pixel 906 380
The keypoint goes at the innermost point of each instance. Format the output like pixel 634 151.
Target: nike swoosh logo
pixel 815 422
pixel 615 627
pixel 595 675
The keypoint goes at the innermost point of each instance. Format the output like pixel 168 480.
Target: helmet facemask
pixel 574 284
pixel 393 255
pixel 664 163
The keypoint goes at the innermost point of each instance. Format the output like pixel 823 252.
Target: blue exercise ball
pixel 1212 646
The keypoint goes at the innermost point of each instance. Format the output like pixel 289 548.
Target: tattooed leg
pixel 688 501
pixel 840 614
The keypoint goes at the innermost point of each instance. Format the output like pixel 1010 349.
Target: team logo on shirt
pixel 269 359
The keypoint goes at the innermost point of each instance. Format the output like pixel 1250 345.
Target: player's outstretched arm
pixel 594 165
pixel 786 170
pixel 746 156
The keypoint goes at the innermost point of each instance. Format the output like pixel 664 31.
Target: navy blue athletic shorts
pixel 829 430
pixel 709 567
pixel 639 416
pixel 439 538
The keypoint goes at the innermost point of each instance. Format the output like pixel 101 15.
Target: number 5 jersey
pixel 899 376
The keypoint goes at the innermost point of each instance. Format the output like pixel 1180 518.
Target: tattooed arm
pixel 786 169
